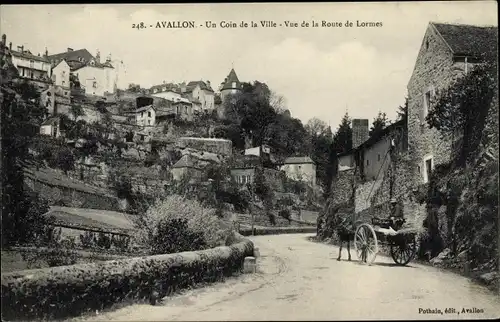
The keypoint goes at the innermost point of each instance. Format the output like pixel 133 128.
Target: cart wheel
pixel 365 243
pixel 403 253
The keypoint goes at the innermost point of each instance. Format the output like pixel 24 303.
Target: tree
pixel 403 111
pixel 342 140
pixel 134 88
pixel 316 126
pixel 379 123
pixel 21 113
pixel 77 111
pixel 65 160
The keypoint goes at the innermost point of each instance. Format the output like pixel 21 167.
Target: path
pixel 301 280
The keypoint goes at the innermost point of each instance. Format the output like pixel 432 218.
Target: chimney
pixel 359 132
pixel 46 52
pixel 98 57
pixel 208 83
pixel 70 49
pixel 4 39
pixel 108 59
pixel 10 45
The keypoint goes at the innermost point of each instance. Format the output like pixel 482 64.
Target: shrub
pixel 87 239
pixel 272 218
pixel 174 236
pixel 285 213
pixel 103 241
pixel 198 219
pixel 121 243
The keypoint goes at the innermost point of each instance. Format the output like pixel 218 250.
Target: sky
pixel 321 72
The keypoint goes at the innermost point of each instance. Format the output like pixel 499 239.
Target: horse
pixel 345 232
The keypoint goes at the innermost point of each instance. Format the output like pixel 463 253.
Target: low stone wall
pixel 72 197
pixel 277 231
pixel 63 291
pixel 217 146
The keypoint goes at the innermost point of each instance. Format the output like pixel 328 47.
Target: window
pixel 428 167
pixel 149 114
pixel 426 105
pixel 249 179
pixel 378 157
pixel 94 84
pixel 32 63
pixel 367 162
pixel 142 114
pixel 427 44
pixel 32 75
pixel 234 85
pixel 155 90
pixel 63 83
pixel 149 122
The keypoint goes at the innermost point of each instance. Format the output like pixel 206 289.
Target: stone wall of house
pixel 217 146
pixel 342 187
pixel 433 69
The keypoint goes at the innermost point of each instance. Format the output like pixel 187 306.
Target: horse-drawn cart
pixel 402 241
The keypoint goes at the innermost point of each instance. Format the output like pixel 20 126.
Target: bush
pixel 121 243
pixel 198 219
pixel 174 236
pixel 87 239
pixel 285 213
pixel 103 241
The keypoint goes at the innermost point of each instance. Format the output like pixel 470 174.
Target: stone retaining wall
pixel 63 291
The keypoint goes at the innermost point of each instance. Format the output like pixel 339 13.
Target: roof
pixel 228 82
pixel 165 88
pixel 77 59
pixel 204 86
pixel 51 121
pixel 246 162
pixel 28 55
pixel 468 40
pixel 298 160
pixel 375 138
pixel 144 108
pixel 185 162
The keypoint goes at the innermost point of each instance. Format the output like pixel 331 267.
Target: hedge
pixel 277 230
pixel 64 291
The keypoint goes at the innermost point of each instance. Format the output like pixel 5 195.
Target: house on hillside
pixel 201 94
pixel 168 91
pixel 186 167
pixel 372 157
pixel 95 77
pixel 301 169
pixel 145 116
pixel 61 74
pixel 448 51
pixel 51 127
pixel 245 168
pixel 35 68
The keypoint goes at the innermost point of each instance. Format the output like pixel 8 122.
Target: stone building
pixel 95 77
pixel 230 85
pixel 446 53
pixel 300 168
pixel 186 167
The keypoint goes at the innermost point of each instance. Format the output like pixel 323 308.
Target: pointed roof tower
pixel 231 81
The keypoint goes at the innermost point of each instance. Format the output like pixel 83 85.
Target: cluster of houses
pixel 78 77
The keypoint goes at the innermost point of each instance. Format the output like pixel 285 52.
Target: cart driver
pixel 396 212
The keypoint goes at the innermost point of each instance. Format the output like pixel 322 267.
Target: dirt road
pixel 301 280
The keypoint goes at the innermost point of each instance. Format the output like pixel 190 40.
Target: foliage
pixel 87 239
pixel 65 160
pixel 77 111
pixel 103 240
pixel 285 213
pixel 342 139
pixel 199 220
pixel 174 236
pixel 403 111
pixel 21 115
pixel 461 109
pixel 58 253
pixel 379 123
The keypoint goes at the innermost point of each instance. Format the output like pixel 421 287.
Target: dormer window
pixel 164 89
pixel 155 90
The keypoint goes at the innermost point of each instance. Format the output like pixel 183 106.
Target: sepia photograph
pixel 250 161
